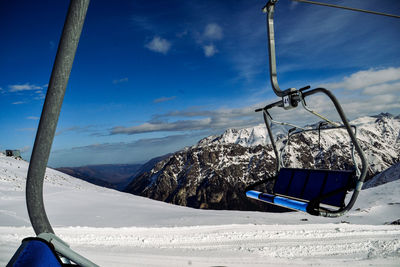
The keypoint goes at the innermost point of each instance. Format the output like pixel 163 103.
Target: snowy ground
pixel 117 229
pixel 228 245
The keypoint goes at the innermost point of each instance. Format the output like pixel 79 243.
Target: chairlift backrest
pixel 308 184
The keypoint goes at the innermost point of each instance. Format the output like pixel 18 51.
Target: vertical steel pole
pixel 50 113
pixel 270 9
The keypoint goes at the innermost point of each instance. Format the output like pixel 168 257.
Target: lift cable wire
pixel 348 8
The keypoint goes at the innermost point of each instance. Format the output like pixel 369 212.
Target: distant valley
pixel 114 176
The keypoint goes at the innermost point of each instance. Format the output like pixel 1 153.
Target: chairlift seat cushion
pixel 35 252
pixel 308 184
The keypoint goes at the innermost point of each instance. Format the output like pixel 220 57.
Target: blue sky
pixel 151 77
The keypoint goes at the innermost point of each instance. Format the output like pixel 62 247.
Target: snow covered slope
pixel 117 229
pixel 389 175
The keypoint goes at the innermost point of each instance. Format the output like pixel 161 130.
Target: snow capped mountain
pixel 214 173
pixel 246 137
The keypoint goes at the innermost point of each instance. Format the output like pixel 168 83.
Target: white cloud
pixel 24 87
pixel 159 45
pixel 213 32
pixel 385 88
pixel 356 103
pixel 183 125
pixel 372 105
pixel 122 80
pixel 18 102
pixel 164 99
pixel 144 23
pixel 195 120
pixel 32 118
pixel 210 50
pixel 367 78
pixel 25 149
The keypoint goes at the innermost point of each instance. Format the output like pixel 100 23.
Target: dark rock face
pixel 214 174
pixel 209 177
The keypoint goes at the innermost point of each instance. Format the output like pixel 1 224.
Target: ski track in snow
pixel 230 245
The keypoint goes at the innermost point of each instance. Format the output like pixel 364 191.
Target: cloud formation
pixel 32 118
pixel 213 32
pixel 122 80
pixel 163 99
pixel 210 50
pixel 91 129
pixel 148 127
pixel 24 87
pixel 382 96
pixel 194 120
pixel 35 91
pixel 367 78
pixel 385 87
pixel 159 45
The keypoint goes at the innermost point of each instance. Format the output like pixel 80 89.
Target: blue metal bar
pixel 291 203
pixel 278 200
pixel 253 194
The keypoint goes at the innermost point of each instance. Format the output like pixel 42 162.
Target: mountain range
pixel 214 173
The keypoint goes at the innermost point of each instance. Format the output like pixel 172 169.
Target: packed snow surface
pixel 117 229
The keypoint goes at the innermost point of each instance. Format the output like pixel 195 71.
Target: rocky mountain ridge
pixel 214 173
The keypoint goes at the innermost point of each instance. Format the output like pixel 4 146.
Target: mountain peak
pixel 383 115
pixel 247 137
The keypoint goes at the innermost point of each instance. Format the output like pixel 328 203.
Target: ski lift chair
pixel 319 192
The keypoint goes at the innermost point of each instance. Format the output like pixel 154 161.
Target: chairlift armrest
pixel 304 88
pixel 276 104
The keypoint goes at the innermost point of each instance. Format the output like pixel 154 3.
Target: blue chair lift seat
pixel 306 189
pixel 35 252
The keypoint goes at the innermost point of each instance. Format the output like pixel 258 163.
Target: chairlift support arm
pixel 269 8
pixel 50 113
pixel 47 126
